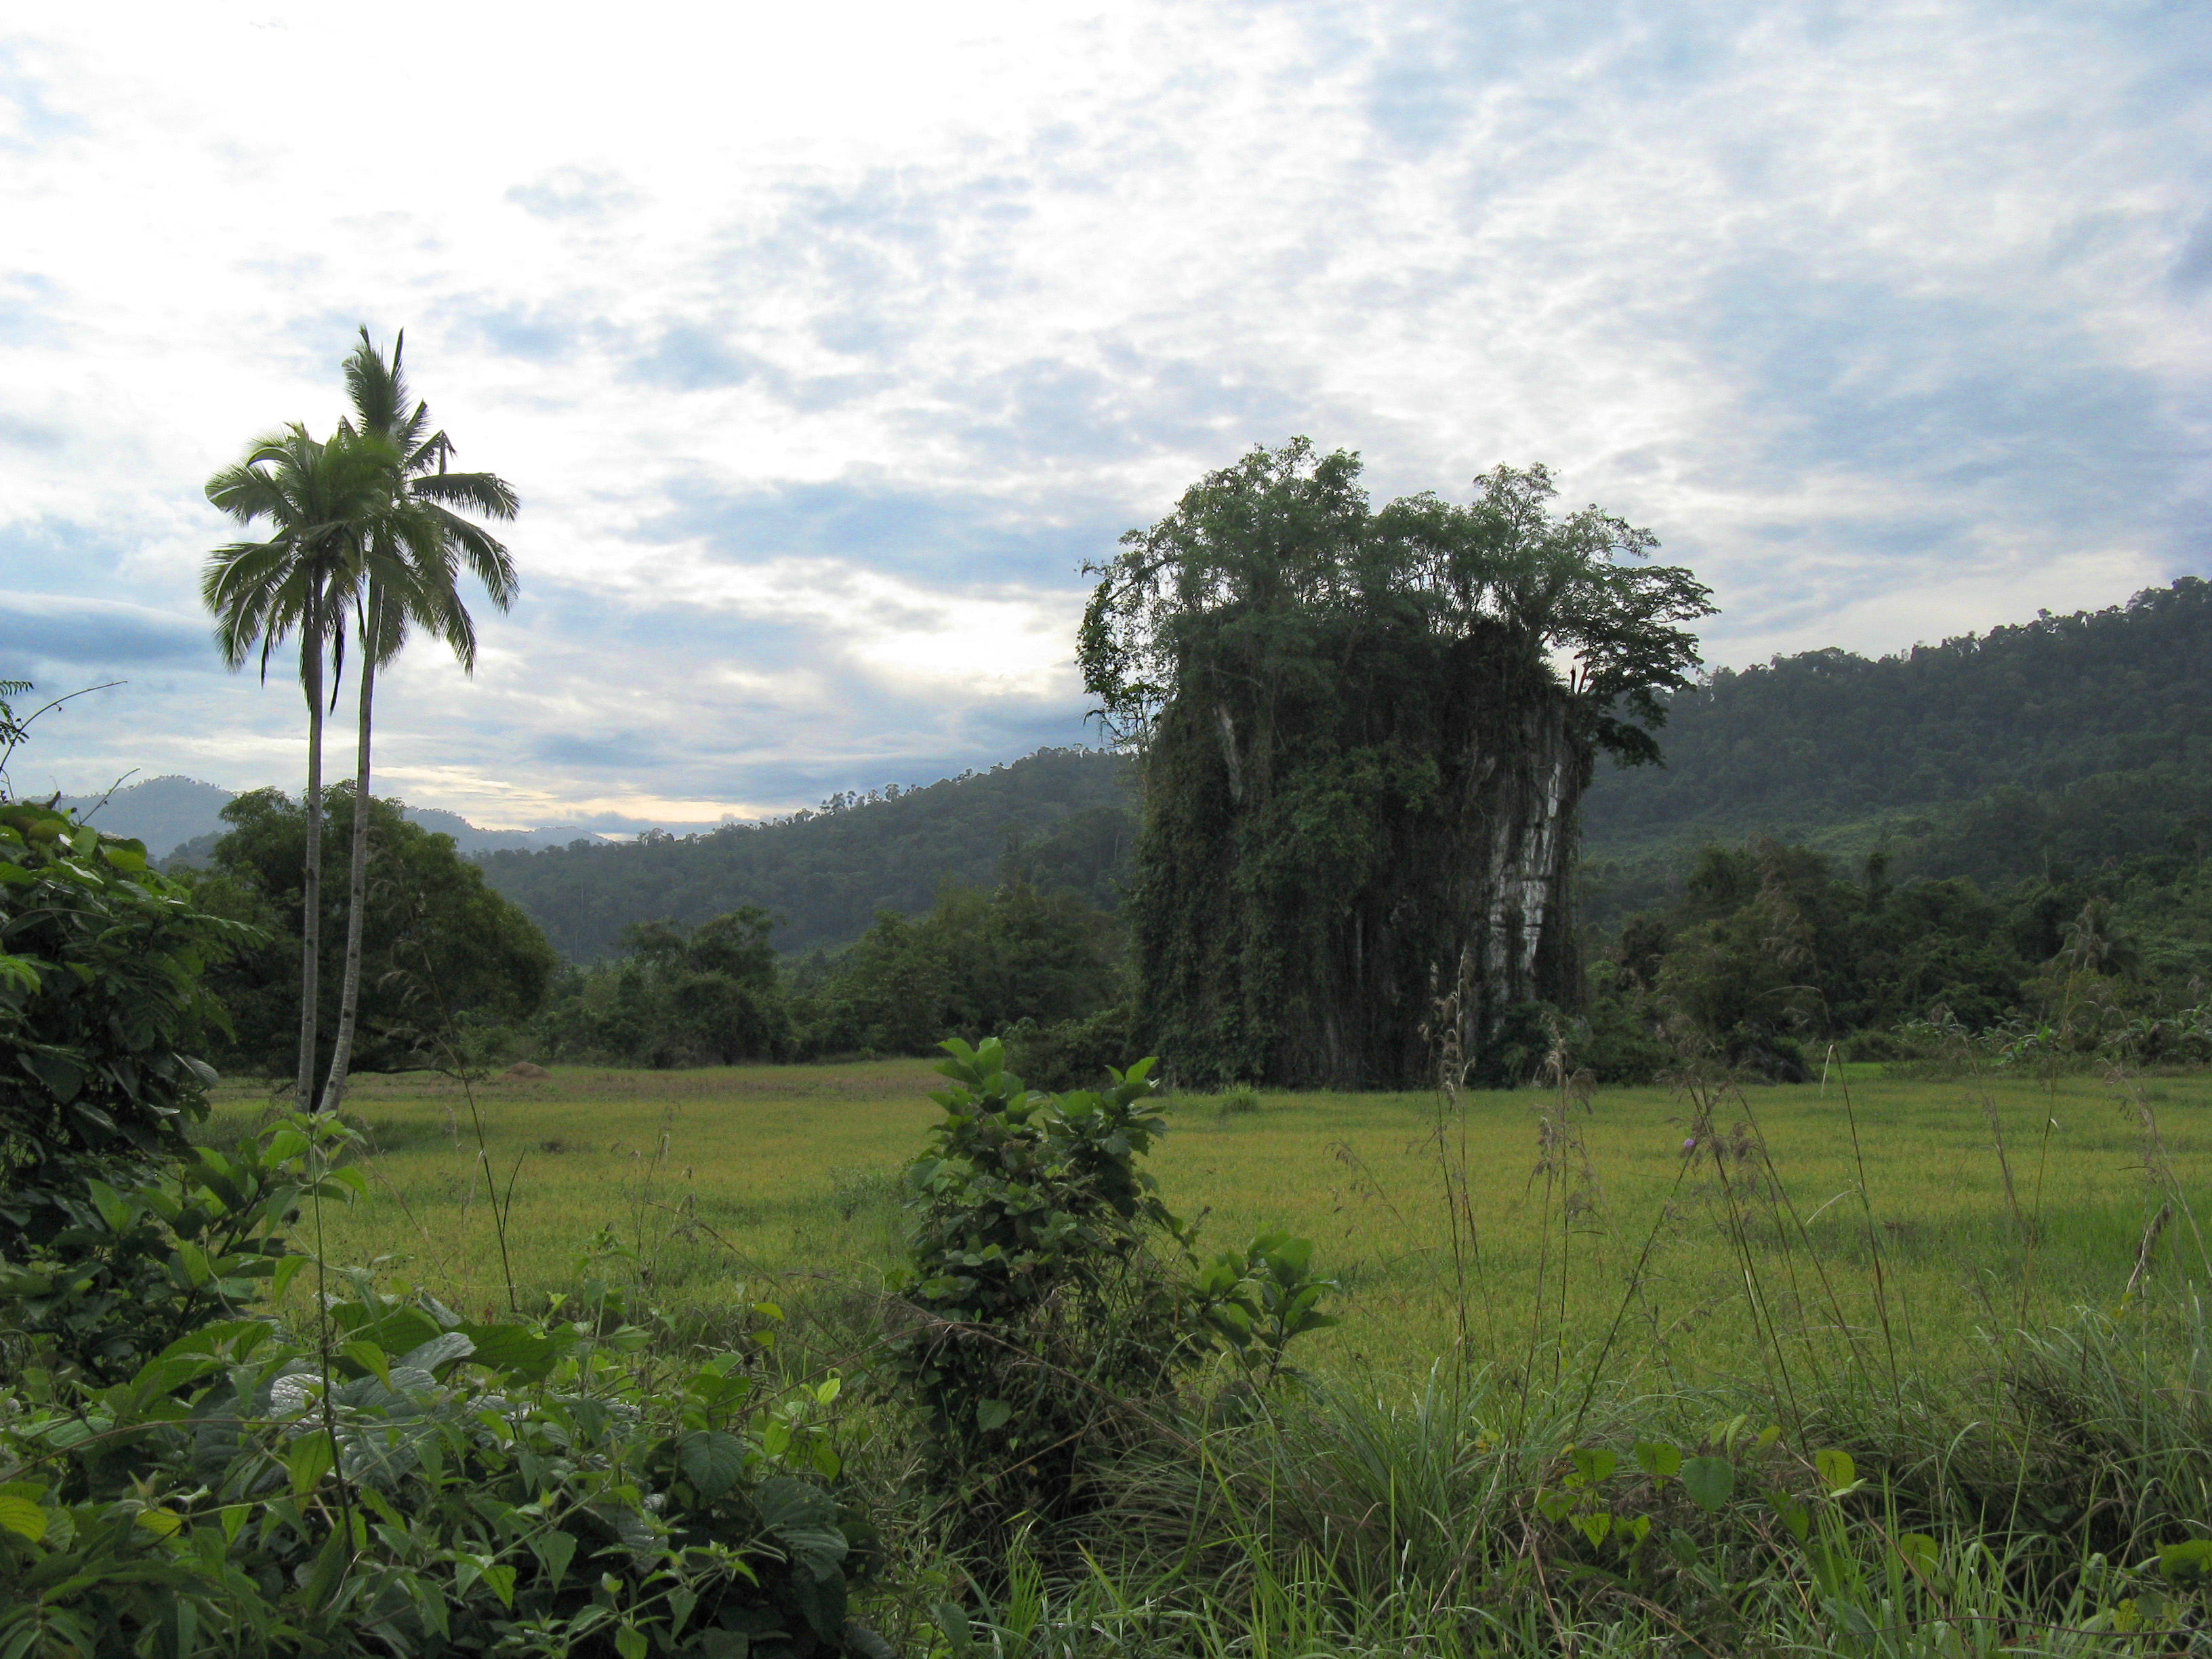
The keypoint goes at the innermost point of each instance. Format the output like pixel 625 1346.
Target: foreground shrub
pixel 100 964
pixel 1052 1317
pixel 399 1479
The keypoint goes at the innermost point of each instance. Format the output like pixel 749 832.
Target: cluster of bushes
pixel 978 962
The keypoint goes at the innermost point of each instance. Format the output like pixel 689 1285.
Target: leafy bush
pixel 139 1266
pixel 1239 1102
pixel 701 996
pixel 1048 1325
pixel 977 961
pixel 100 965
pixel 440 946
pixel 415 1483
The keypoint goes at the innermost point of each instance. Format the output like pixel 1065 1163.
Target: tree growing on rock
pixel 1365 734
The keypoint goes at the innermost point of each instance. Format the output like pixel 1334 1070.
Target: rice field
pixel 1987 1205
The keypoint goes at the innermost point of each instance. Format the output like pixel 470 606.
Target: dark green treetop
pixel 1267 564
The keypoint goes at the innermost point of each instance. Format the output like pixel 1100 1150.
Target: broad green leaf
pixel 992 1414
pixel 1594 1464
pixel 1594 1526
pixel 712 1461
pixel 1795 1516
pixel 2186 1563
pixel 440 1350
pixel 515 1352
pixel 23 1518
pixel 1710 1482
pixel 371 1358
pixel 1658 1459
pixel 804 1519
pixel 554 1551
pixel 1837 1470
pixel 109 1202
pixel 952 1619
pixel 307 1461
pixel 1919 1550
pixel 127 855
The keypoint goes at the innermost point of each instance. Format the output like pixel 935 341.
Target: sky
pixel 825 344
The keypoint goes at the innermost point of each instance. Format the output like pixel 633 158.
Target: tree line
pixel 1771 956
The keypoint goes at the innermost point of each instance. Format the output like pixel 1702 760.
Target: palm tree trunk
pixel 311 877
pixel 357 885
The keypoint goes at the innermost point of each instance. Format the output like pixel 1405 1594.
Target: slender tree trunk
pixel 357 885
pixel 311 879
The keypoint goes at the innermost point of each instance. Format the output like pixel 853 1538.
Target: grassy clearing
pixel 2025 1463
pixel 739 1183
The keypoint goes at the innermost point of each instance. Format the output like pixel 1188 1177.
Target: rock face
pixel 1312 876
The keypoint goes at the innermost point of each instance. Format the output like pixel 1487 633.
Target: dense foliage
pixel 976 963
pixel 441 950
pixel 1825 738
pixel 100 982
pixel 1061 813
pixel 397 1478
pixel 1767 951
pixel 1054 1307
pixel 1362 766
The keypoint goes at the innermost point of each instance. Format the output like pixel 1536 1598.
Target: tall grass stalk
pixel 1873 1241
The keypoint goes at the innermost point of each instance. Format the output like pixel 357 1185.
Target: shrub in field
pixel 1073 1054
pixel 1053 1318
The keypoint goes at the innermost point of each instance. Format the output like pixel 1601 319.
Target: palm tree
pixel 409 576
pixel 319 499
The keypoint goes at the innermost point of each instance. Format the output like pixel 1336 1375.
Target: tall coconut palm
pixel 409 577
pixel 320 500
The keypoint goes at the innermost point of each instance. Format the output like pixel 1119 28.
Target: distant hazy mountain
pixel 469 839
pixel 164 812
pixel 184 816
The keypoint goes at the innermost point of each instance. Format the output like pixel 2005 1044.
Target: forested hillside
pixel 2065 741
pixel 1063 816
pixel 1826 744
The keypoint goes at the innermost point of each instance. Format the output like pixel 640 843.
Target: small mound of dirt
pixel 523 1069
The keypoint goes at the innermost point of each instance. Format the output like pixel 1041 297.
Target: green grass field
pixel 781 1182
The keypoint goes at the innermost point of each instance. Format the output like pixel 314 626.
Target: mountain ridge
pixel 177 817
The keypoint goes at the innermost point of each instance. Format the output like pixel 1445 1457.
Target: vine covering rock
pixel 1365 735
